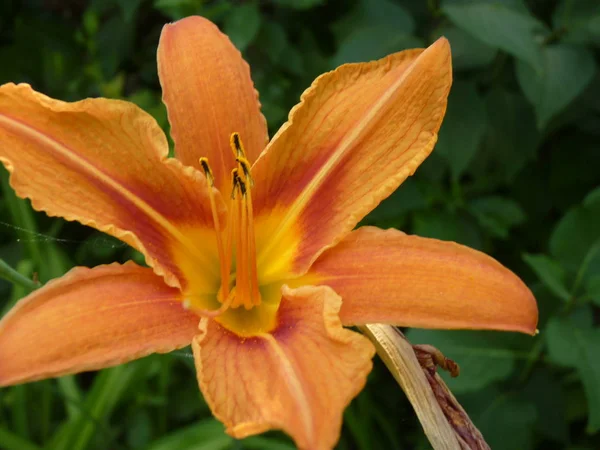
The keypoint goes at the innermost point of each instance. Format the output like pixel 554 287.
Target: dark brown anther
pixel 235 181
pixel 242 186
pixel 245 165
pixel 207 172
pixel 236 142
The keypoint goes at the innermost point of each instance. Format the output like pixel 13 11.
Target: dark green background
pixel 516 174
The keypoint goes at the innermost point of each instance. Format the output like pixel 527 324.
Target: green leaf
pixel 577 347
pixel 22 216
pixel 491 22
pixel 551 416
pixel 90 21
pixel 272 40
pixel 114 41
pixel 242 25
pixel 15 277
pixel 71 395
pixel 298 4
pixel 588 268
pixel 11 441
pixel 404 199
pixel 483 357
pixel 550 273
pixel 129 8
pixel 463 127
pixel 567 191
pixel 552 85
pixel 371 43
pixel 206 435
pixel 151 102
pixel 109 388
pixel 512 138
pixel 467 52
pixel 579 21
pixel 378 14
pixel 265 443
pixel 592 288
pixel 592 199
pixel 25 268
pixel 178 9
pixel 575 234
pixel 448 227
pixel 139 429
pixel 497 214
pixel 505 420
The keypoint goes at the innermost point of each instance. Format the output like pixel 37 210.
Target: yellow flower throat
pixel 226 277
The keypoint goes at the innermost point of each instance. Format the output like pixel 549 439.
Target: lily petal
pixel 357 133
pixel 103 163
pixel 390 277
pixel 209 95
pixel 298 378
pixel 90 319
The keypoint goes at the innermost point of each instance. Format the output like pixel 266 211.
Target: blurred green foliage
pixel 516 174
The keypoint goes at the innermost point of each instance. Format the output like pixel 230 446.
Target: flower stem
pixel 400 359
pixel 10 274
pixel 444 421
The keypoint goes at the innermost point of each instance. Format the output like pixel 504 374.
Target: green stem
pixel 10 274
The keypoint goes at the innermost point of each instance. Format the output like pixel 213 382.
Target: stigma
pixel 236 244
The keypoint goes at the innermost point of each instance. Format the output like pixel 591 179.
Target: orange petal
pixel 90 319
pixel 389 277
pixel 209 94
pixel 358 132
pixel 103 163
pixel 299 378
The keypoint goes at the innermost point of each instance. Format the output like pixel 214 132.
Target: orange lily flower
pixel 252 256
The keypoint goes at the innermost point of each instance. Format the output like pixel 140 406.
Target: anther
pixel 236 145
pixel 245 165
pixel 207 171
pixel 242 187
pixel 236 180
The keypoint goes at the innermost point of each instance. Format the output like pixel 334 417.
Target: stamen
pixel 240 232
pixel 223 262
pixel 240 227
pixel 243 276
pixel 231 219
